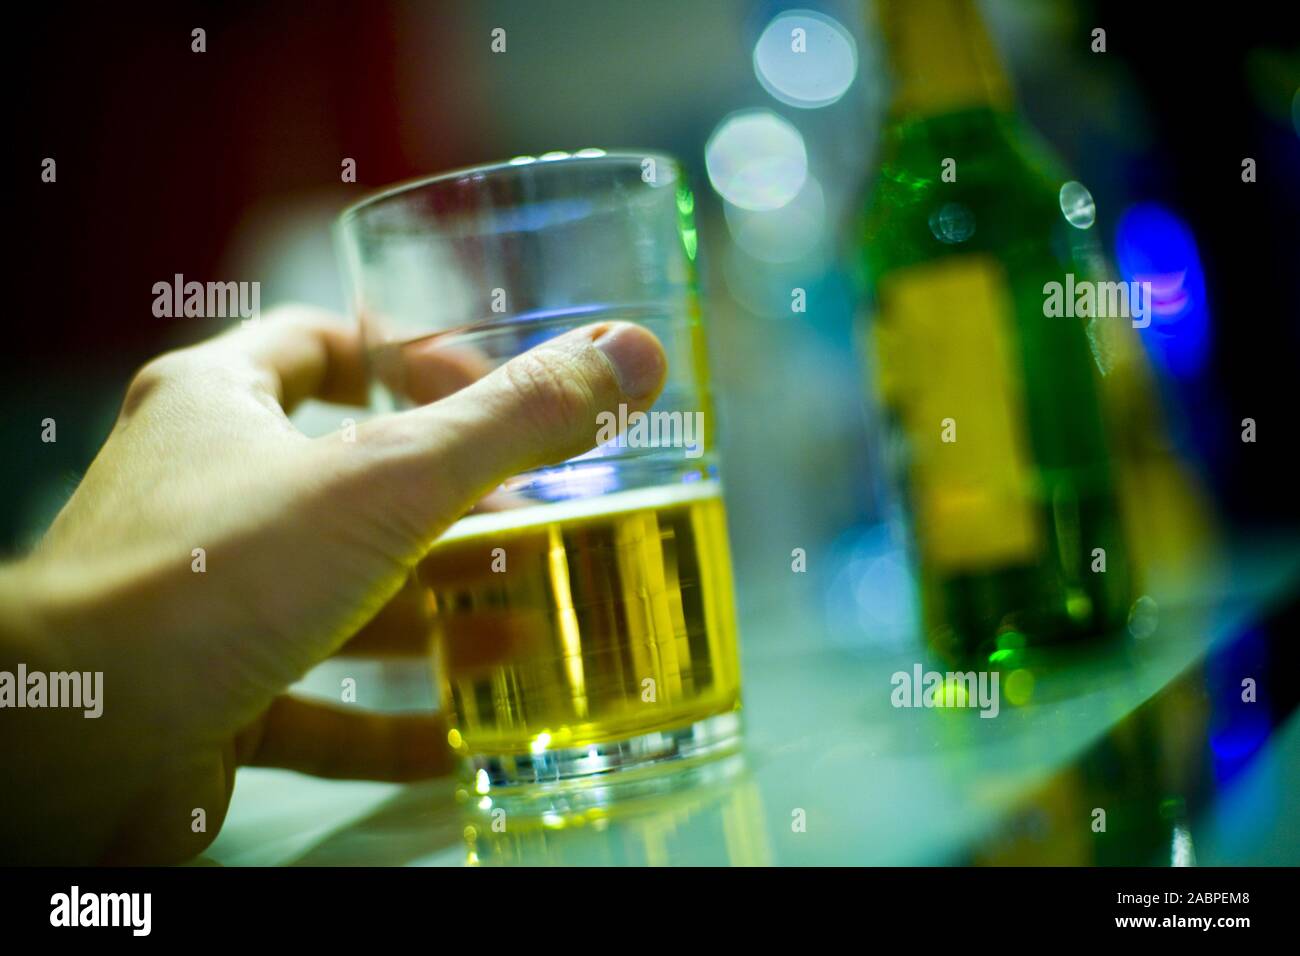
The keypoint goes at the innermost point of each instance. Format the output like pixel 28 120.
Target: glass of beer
pixel 582 614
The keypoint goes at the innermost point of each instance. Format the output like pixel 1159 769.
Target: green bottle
pixel 1003 453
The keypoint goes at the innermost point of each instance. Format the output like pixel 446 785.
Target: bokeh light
pixel 805 59
pixel 782 235
pixel 952 223
pixel 1154 245
pixel 1019 687
pixel 756 160
pixel 1143 617
pixel 1077 205
pixel 872 598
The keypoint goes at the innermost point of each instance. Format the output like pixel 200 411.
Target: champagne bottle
pixel 1002 451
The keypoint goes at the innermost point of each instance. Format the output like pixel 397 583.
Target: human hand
pixel 305 544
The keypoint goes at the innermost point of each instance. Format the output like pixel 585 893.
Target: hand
pixel 304 542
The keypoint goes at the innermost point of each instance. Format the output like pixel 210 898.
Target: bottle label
pixel 949 368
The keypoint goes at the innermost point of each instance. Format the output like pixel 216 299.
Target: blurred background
pixel 226 165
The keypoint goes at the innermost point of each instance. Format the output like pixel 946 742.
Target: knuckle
pixel 151 376
pixel 550 392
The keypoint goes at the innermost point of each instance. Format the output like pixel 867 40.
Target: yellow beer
pixel 588 621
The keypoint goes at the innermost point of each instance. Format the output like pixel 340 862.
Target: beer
pixel 584 622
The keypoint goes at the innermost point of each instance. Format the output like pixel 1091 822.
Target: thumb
pixel 539 408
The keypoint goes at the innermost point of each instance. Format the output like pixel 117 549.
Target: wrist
pixel 56 733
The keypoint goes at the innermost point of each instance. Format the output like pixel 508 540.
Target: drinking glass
pixel 583 617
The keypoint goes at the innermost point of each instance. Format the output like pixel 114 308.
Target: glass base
pixel 708 737
pixel 674 789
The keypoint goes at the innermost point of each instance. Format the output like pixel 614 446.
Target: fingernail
pixel 636 356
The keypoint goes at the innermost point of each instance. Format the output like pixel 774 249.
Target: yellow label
pixel 948 367
pixel 942 57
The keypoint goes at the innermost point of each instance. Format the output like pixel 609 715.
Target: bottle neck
pixel 941 58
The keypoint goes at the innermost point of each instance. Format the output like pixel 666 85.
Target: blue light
pixel 1239 730
pixel 1154 245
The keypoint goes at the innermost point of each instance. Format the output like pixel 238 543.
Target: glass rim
pixel 519 163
